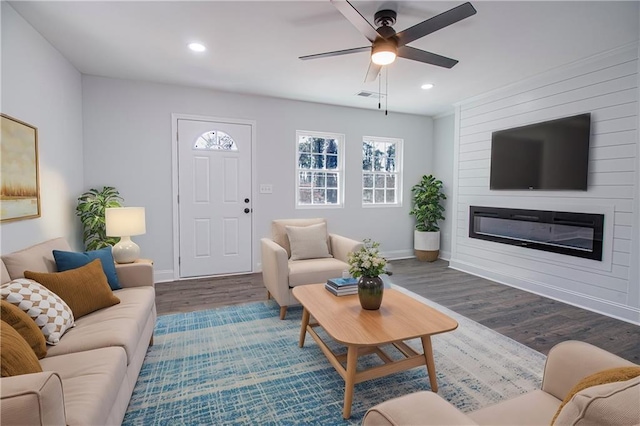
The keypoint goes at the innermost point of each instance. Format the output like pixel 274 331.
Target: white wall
pixel 40 87
pixel 606 86
pixel 443 142
pixel 128 144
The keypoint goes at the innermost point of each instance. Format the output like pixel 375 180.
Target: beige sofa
pixel 280 274
pixel 88 377
pixel 567 364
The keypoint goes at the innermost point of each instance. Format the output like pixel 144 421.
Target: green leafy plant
pixel 366 261
pixel 90 209
pixel 427 204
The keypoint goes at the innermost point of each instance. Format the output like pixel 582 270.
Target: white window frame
pixel 398 173
pixel 339 138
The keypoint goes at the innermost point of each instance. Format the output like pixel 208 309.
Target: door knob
pixel 247 210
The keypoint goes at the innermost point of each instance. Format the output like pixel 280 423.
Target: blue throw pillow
pixel 66 260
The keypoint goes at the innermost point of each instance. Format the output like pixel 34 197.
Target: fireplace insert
pixel 573 234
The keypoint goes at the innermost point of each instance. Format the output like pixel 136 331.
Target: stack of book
pixel 342 286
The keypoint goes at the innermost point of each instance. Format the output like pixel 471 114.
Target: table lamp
pixel 125 222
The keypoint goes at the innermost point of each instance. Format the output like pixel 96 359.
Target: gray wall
pixel 128 144
pixel 40 87
pixel 607 87
pixel 443 142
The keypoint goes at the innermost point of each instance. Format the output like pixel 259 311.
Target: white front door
pixel 214 184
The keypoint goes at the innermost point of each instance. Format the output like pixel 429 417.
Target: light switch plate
pixel 266 188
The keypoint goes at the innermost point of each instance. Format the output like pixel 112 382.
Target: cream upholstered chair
pixel 610 403
pixel 299 252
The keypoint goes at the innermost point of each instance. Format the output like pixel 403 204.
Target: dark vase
pixel 370 291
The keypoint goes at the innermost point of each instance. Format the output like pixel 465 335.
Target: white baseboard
pixel 163 276
pixel 604 307
pixel 398 254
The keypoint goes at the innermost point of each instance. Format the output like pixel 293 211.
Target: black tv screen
pixel 553 155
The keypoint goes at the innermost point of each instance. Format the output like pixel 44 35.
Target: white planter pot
pixel 426 245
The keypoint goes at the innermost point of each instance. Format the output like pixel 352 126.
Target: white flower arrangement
pixel 367 261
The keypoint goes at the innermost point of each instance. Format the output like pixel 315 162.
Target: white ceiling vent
pixel 367 94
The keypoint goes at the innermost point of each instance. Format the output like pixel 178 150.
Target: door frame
pixel 175 176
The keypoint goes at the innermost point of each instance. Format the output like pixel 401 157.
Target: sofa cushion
pixel 119 325
pixel 279 232
pixel 16 356
pixel 308 242
pixel 85 289
pixel 66 260
pixel 607 397
pixel 312 271
pixel 51 314
pixel 25 326
pixel 37 258
pixel 91 381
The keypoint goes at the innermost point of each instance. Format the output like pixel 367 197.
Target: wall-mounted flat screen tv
pixel 552 155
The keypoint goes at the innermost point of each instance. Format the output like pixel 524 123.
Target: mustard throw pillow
pixel 25 326
pixel 16 356
pixel 612 375
pixel 84 289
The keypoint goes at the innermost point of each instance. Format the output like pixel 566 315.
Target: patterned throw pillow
pixel 48 310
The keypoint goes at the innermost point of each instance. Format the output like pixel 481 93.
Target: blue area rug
pixel 242 365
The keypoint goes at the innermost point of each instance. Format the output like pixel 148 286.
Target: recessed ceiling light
pixel 197 47
pixel 426 86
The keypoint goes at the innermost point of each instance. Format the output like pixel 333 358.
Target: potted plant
pixel 367 264
pixel 90 208
pixel 427 209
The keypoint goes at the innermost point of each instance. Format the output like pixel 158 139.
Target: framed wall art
pixel 20 186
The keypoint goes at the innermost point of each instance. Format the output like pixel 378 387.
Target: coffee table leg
pixel 431 365
pixel 349 381
pixel 303 328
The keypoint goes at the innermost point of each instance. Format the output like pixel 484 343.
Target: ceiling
pixel 253 46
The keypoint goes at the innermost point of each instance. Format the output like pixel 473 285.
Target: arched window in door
pixel 215 140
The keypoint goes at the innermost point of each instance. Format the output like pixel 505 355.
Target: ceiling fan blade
pixel 434 24
pixel 337 53
pixel 409 52
pixel 372 72
pixel 356 19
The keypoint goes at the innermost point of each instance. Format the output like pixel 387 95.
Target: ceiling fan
pixel 386 44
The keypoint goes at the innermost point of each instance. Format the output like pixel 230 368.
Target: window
pixel 215 140
pixel 381 171
pixel 319 175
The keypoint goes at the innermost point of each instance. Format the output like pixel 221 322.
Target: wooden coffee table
pixel 400 318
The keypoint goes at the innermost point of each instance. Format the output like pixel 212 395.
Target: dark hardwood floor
pixel 530 319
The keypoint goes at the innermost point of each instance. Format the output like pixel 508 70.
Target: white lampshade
pixel 124 222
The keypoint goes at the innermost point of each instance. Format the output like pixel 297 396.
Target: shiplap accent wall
pixel 607 87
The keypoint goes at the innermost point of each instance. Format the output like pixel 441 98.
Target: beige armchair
pixel 567 364
pixel 310 263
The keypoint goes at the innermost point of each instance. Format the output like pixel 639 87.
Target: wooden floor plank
pixel 532 320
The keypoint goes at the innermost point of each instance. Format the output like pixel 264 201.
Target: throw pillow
pixel 66 260
pixel 16 355
pixel 308 242
pixel 25 326
pixel 48 310
pixel 579 399
pixel 85 289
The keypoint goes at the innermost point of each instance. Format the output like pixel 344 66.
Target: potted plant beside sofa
pixel 427 208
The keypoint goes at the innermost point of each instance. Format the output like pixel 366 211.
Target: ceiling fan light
pixel 383 52
pixel 383 58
